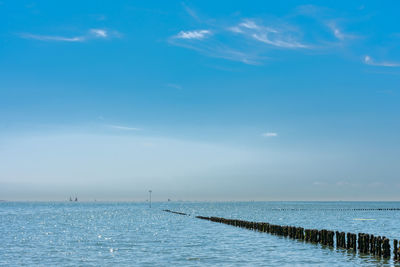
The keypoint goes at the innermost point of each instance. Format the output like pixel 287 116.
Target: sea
pixel 135 234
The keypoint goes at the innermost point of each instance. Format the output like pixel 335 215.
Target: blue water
pixel 106 234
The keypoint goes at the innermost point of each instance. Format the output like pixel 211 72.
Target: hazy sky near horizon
pixel 200 100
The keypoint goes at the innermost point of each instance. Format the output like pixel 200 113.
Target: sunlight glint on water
pixel 94 234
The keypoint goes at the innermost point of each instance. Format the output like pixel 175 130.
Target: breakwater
pixel 362 243
pixel 343 209
pixel 176 212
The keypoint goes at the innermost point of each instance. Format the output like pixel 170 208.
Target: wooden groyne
pixel 176 212
pixel 337 209
pixel 378 246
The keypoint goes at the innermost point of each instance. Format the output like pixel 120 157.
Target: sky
pixel 199 100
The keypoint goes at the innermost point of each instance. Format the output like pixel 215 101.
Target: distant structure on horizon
pixel 150 191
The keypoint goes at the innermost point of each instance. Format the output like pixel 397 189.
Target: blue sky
pixel 199 100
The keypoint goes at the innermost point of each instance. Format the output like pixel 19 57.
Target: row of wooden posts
pixel 365 243
pixel 344 209
pixel 176 212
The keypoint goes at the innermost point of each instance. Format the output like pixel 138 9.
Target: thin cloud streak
pixel 191 12
pixel 278 43
pixel 92 34
pixel 216 49
pixel 370 61
pixel 124 128
pixel 269 134
pixel 51 38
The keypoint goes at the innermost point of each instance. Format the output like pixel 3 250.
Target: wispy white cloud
pixel 217 49
pixel 249 40
pixel 197 34
pixel 191 12
pixel 246 57
pixel 319 183
pixel 278 42
pixel 99 33
pixel 123 128
pixel 282 37
pixel 91 34
pixel 269 134
pixel 249 24
pixel 370 61
pixel 235 29
pixel 215 43
pixel 52 38
pixel 339 34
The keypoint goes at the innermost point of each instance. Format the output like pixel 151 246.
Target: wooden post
pixel 379 246
pixel 349 240
pixel 386 248
pixel 366 243
pixel 330 238
pixel 372 244
pixel 338 241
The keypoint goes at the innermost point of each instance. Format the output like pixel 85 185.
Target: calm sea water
pixel 105 234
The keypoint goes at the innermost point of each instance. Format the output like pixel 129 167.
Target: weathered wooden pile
pixel 366 243
pixel 396 251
